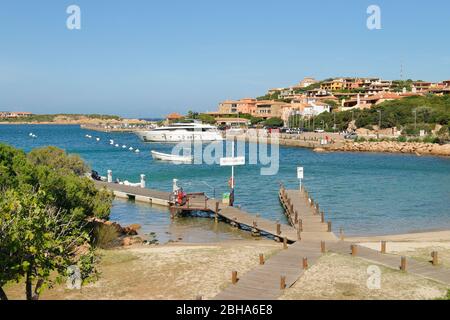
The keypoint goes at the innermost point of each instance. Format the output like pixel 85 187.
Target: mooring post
pixel 383 247
pixel 261 259
pixel 322 246
pixel 296 217
pixel 322 217
pixel 278 229
pixel 110 177
pixel 434 255
pixel 403 264
pixel 305 263
pixel 300 225
pixel 216 213
pixel 329 226
pixel 142 180
pixel 234 277
pixel 283 282
pixel 317 208
pixel 354 249
pixel 285 243
pixel 299 235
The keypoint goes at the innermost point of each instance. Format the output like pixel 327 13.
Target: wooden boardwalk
pixel 151 196
pixel 267 282
pixel 420 268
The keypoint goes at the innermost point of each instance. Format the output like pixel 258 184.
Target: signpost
pixel 300 175
pixel 231 162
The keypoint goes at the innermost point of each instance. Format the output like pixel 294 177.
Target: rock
pixel 131 230
pixel 320 150
pixel 129 241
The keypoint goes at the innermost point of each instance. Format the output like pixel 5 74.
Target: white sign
pixel 300 173
pixel 237 161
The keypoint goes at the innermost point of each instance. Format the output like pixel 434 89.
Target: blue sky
pixel 148 58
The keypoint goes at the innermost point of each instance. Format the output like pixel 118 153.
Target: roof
pixel 174 116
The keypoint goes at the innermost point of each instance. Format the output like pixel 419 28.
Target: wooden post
pixel 283 282
pixel 285 246
pixel 403 264
pixel 299 235
pixel 234 278
pixel 434 255
pixel 278 229
pixel 296 217
pixel 300 225
pixel 383 247
pixel 317 208
pixel 329 226
pixel 305 263
pixel 216 213
pixel 322 246
pixel 261 259
pixel 354 249
pixel 322 217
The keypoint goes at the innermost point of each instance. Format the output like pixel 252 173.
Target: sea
pixel 362 193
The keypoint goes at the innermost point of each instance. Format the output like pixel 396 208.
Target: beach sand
pixel 172 271
pixel 185 271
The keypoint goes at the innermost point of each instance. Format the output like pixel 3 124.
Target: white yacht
pixel 180 132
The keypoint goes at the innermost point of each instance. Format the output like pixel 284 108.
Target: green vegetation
pixel 53 117
pixel 411 114
pixel 274 122
pixel 45 205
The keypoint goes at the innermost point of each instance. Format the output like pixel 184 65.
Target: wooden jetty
pixel 267 281
pixel 200 202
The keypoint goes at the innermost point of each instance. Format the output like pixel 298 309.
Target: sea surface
pixel 364 193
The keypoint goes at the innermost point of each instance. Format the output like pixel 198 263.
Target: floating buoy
pixel 98 139
pixel 117 145
pixel 137 151
pixel 131 149
pixel 124 146
pixel 31 134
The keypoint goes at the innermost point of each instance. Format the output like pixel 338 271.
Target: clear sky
pixel 149 58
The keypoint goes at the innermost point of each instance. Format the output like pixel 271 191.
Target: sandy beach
pixel 186 271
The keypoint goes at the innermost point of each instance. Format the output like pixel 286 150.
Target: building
pixel 269 109
pixel 14 114
pixel 367 101
pixel 174 117
pixel 306 82
pixel 233 122
pixel 228 107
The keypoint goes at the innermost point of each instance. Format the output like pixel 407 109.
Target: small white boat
pixel 171 157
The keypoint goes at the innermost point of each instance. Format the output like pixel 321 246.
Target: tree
pixel 57 159
pixel 274 122
pixel 36 240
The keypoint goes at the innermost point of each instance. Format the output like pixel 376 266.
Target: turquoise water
pixel 360 192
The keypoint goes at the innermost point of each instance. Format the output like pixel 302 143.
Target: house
pixel 233 122
pixel 174 117
pixel 14 114
pixel 367 101
pixel 228 107
pixel 269 109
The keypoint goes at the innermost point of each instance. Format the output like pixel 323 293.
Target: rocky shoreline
pixel 416 148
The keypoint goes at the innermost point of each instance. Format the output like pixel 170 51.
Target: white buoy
pixel 124 146
pixel 31 134
pixel 87 136
pixel 116 145
pixel 98 139
pixel 131 149
pixel 137 151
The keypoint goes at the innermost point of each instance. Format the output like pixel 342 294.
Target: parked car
pixel 351 136
pixel 319 131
